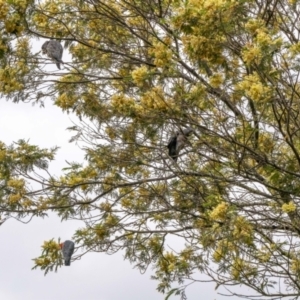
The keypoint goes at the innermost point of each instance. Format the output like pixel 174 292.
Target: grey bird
pixel 67 249
pixel 54 50
pixel 178 141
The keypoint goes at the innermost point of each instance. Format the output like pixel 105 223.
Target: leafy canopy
pixel 135 72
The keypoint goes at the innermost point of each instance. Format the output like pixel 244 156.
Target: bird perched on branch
pixel 178 141
pixel 67 249
pixel 54 50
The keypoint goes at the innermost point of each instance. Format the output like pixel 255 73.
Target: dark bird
pixel 67 249
pixel 54 50
pixel 178 141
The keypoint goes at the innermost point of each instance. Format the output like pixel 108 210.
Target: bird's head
pixel 44 47
pixel 187 131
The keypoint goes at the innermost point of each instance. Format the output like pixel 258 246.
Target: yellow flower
pixel 162 54
pixel 252 54
pixel 253 88
pixel 216 80
pixel 122 103
pixel 16 183
pixel 218 255
pixel 155 99
pixel 220 211
pixel 295 49
pixel 295 266
pixel 139 75
pixel 288 207
pixel 14 198
pixel 3 9
pixel 263 38
pixel 253 25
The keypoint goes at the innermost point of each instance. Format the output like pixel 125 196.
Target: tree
pixel 138 72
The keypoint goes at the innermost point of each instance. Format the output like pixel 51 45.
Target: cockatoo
pixel 54 50
pixel 67 249
pixel 178 141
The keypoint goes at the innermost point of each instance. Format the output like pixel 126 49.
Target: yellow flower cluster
pixel 17 184
pixel 22 45
pixel 162 54
pixel 111 220
pixel 197 46
pixel 263 38
pixel 18 190
pixel 51 245
pixel 139 75
pixel 22 51
pixel 195 42
pixel 288 207
pixel 27 203
pixel 111 132
pixel 13 24
pixel 219 253
pixel 14 198
pixel 295 266
pixel 127 202
pixel 78 50
pixel 211 4
pixel 8 80
pixel 253 88
pixel 266 142
pixel 167 264
pixel 224 247
pixel 2 155
pixel 252 53
pixel 21 3
pixel 243 231
pixel 264 254
pixel 253 25
pixel 154 99
pixel 44 261
pixel 295 49
pixel 237 268
pixel 65 101
pixel 242 269
pixel 122 103
pixel 105 206
pixel 154 242
pixel 101 231
pixel 216 80
pixel 135 21
pixel 52 7
pixel 3 9
pixel 40 20
pixel 75 179
pixel 219 212
pixel 3 47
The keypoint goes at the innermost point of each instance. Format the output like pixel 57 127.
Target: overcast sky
pixel 96 276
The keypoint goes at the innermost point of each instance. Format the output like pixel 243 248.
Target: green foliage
pixel 138 72
pixel 51 257
pixel 18 162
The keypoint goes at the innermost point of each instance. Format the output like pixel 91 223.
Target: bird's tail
pixel 68 262
pixel 58 62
